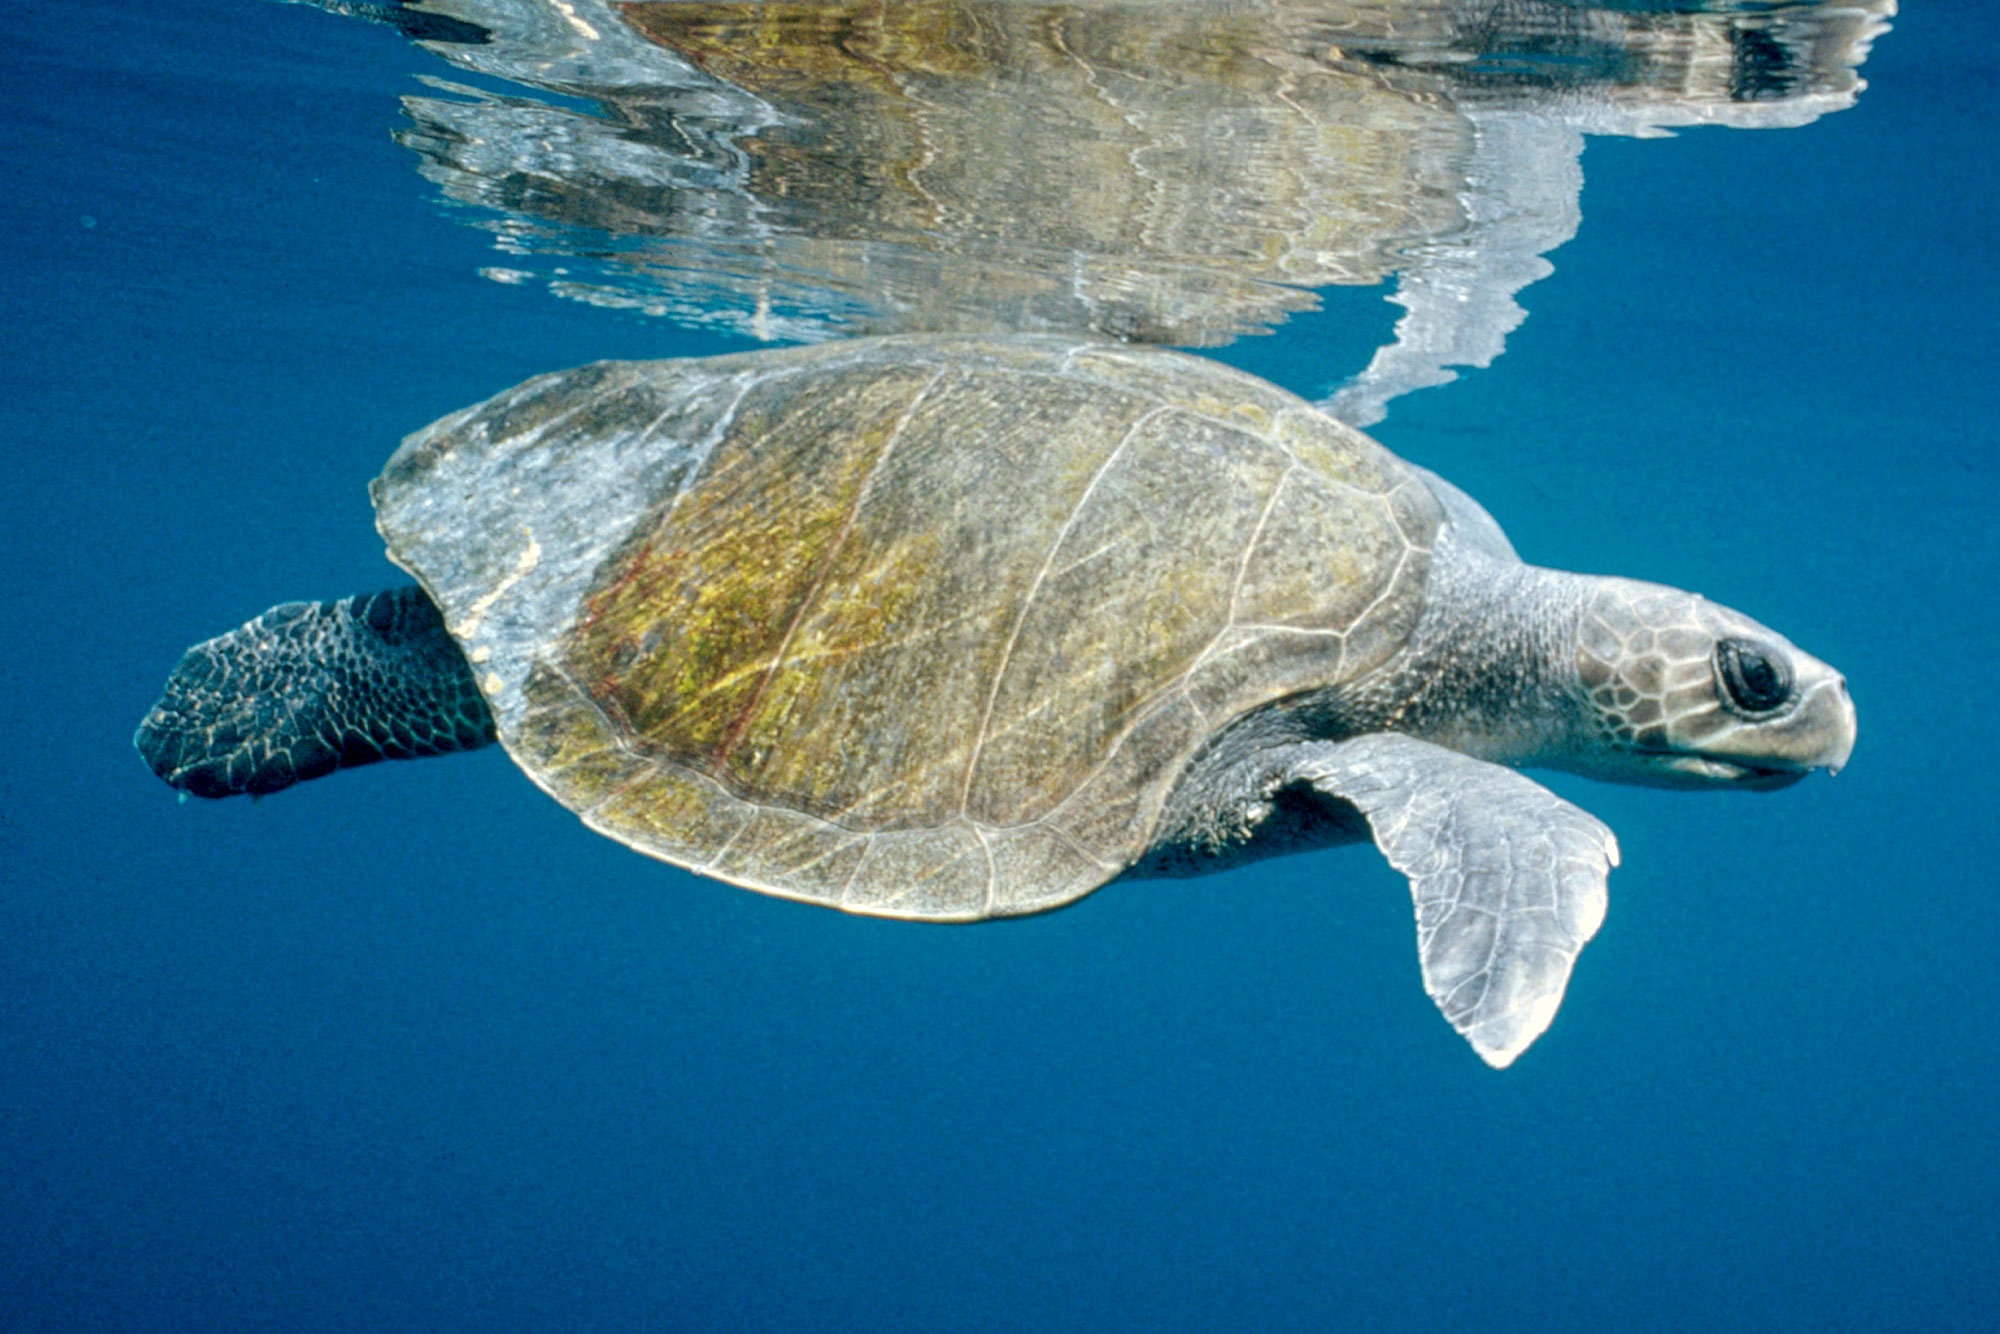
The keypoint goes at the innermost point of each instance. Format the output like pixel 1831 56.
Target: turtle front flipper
pixel 310 687
pixel 1508 877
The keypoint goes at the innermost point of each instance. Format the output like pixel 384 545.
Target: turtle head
pixel 1681 692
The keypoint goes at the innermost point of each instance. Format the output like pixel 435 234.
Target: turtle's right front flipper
pixel 1508 877
pixel 310 687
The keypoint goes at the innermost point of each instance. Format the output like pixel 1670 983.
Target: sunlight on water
pixel 1173 172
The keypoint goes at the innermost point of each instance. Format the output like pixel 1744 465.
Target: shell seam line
pixel 742 724
pixel 1028 603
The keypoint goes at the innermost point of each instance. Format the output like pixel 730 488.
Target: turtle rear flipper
pixel 310 687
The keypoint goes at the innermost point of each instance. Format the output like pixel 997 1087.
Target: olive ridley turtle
pixel 952 628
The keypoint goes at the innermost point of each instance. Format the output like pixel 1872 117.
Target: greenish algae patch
pixel 1138 587
pixel 683 633
pixel 564 738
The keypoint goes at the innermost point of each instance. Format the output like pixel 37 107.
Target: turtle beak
pixel 1840 727
pixel 1818 734
pixel 1769 753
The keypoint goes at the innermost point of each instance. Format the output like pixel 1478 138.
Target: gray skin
pixel 1612 678
pixel 1470 662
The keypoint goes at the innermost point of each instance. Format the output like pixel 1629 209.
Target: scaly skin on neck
pixel 1527 666
pixel 1615 678
pixel 1490 670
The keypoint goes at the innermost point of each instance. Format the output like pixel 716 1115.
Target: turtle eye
pixel 1757 679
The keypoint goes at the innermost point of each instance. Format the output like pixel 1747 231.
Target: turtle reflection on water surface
pixel 950 628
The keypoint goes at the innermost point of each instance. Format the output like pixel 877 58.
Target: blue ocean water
pixel 410 1049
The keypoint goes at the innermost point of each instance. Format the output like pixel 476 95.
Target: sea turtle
pixel 950 628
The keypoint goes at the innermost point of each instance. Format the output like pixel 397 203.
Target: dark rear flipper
pixel 310 687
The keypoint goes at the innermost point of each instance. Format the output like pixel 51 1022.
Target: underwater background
pixel 412 1049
